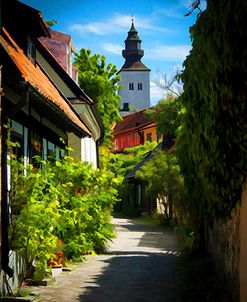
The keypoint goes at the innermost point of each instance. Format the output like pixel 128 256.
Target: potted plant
pixel 58 253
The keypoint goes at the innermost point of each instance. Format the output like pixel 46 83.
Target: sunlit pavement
pixel 141 266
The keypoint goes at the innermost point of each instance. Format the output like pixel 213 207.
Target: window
pixel 136 139
pixel 31 50
pixel 129 140
pixel 121 143
pixel 35 148
pixel 17 137
pixel 116 144
pixel 149 137
pixel 131 86
pixel 139 86
pixel 50 150
pixel 18 148
pixel 158 137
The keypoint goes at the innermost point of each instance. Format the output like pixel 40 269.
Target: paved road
pixel 141 267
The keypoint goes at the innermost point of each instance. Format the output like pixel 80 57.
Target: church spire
pixel 134 75
pixel 133 52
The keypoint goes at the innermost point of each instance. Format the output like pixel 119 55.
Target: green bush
pixel 65 200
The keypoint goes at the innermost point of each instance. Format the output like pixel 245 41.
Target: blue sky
pixel 102 26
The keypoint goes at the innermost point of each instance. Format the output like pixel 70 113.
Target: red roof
pixel 132 121
pixel 38 80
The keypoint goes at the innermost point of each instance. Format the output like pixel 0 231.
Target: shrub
pixel 65 200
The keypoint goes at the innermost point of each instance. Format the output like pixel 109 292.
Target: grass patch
pixel 152 219
pixel 24 292
pixel 200 281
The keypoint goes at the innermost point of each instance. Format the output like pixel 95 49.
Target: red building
pixel 134 130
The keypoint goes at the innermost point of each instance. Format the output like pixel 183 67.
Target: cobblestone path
pixel 141 267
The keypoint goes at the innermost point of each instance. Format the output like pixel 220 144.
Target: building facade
pixel 134 129
pixel 36 106
pixel 56 54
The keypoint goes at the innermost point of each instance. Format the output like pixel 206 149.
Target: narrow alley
pixel 141 266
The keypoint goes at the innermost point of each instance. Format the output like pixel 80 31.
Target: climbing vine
pixel 212 145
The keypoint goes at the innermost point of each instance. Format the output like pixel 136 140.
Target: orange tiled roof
pixel 38 80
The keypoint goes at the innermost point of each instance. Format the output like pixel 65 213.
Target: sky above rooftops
pixel 102 26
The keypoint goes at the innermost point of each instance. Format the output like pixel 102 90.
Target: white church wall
pixel 139 99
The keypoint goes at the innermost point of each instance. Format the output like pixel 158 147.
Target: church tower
pixel 135 76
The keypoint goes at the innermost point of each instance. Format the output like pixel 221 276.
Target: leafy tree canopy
pixel 124 162
pixel 51 22
pixel 163 178
pixel 161 173
pixel 99 80
pixel 166 114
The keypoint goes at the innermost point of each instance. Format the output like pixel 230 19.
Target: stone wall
pixel 223 245
pixel 243 246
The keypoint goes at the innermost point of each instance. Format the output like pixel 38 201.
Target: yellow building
pixel 150 133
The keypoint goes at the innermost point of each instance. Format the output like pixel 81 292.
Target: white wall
pixel 88 151
pixel 140 99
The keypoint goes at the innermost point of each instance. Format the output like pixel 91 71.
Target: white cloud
pixel 172 13
pixel 113 48
pixel 116 24
pixel 81 29
pixel 168 53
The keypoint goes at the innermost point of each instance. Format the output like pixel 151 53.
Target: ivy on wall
pixel 212 144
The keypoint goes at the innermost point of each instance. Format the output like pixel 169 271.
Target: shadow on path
pixel 135 277
pixel 141 266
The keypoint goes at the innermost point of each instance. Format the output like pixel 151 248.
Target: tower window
pixel 131 86
pixel 139 86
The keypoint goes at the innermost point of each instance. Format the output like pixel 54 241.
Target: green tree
pixel 51 22
pixel 99 80
pixel 167 115
pixel 121 164
pixel 164 180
